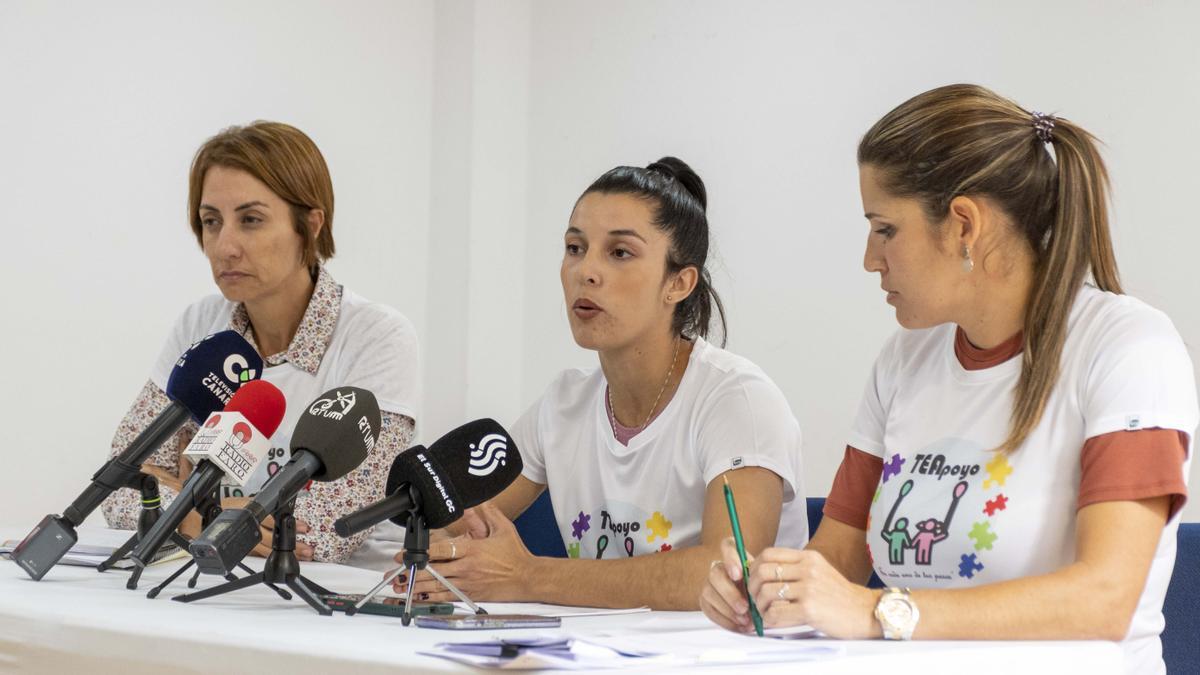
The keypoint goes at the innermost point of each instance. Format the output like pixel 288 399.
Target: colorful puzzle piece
pixel 659 526
pixel 892 468
pixel 994 505
pixel 573 549
pixel 998 470
pixel 581 525
pixel 982 533
pixel 969 566
pixel 664 548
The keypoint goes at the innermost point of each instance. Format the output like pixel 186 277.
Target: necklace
pixel 611 410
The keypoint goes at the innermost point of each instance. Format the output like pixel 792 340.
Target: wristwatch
pixel 897 613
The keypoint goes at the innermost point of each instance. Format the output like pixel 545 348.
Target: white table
pixel 79 620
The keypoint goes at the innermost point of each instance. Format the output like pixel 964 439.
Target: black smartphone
pixel 383 606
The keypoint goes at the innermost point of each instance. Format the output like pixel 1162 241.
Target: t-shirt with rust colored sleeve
pixel 949 511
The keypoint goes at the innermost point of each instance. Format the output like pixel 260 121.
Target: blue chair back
pixel 1181 637
pixel 816 511
pixel 539 529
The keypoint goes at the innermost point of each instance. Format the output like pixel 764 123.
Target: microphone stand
pixel 416 557
pixel 151 511
pixel 282 567
pixel 209 507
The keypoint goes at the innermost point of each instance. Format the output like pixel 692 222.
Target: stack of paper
pixel 632 650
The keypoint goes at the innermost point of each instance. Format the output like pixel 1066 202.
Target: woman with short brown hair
pixel 260 203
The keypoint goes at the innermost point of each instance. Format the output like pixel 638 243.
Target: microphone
pixel 331 439
pixel 464 468
pixel 203 380
pixel 231 443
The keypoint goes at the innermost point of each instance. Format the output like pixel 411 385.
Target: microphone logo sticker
pixel 333 408
pixel 491 453
pixel 212 421
pixel 238 370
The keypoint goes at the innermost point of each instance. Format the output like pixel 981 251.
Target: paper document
pixel 632 650
pixel 91 555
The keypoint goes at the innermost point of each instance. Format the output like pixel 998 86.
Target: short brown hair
pixel 287 162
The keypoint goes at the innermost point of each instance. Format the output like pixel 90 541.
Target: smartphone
pixel 383 606
pixel 487 621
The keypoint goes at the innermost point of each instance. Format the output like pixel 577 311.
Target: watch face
pixel 896 612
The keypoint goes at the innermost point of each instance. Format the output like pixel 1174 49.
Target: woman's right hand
pixel 723 599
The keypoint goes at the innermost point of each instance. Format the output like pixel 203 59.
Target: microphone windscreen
pixel 340 428
pixel 206 376
pixel 262 403
pixel 464 468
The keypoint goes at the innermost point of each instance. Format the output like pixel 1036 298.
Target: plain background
pixel 459 133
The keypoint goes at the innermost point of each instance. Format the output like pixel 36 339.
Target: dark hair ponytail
pixel 680 204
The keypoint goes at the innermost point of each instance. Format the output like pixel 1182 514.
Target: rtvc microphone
pixel 231 443
pixel 202 381
pixel 464 468
pixel 331 439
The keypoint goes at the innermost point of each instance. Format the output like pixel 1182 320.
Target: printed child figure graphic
pixel 898 540
pixel 929 531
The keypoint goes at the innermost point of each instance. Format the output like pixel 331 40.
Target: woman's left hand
pixel 792 587
pixel 494 567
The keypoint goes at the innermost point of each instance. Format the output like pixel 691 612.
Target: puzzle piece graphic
pixel 982 533
pixel 892 468
pixel 573 549
pixel 998 470
pixel 969 566
pixel 581 525
pixel 994 505
pixel 664 548
pixel 659 526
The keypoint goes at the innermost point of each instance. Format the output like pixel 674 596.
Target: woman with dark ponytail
pixel 1020 455
pixel 635 452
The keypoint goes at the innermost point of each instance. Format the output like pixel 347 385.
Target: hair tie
pixel 1043 125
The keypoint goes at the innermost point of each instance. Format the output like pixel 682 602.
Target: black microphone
pixel 331 439
pixel 202 381
pixel 231 442
pixel 464 468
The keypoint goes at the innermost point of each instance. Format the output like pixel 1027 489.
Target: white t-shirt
pixel 373 346
pixel 949 512
pixel 613 501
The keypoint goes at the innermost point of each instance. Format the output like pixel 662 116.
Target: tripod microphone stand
pixel 209 507
pixel 151 511
pixel 416 557
pixel 282 567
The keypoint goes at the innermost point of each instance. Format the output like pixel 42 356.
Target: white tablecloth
pixel 81 621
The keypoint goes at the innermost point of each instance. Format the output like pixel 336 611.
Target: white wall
pixel 459 134
pixel 101 107
pixel 767 100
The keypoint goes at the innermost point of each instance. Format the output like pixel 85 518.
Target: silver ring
pixel 779 573
pixel 782 592
pixel 453 551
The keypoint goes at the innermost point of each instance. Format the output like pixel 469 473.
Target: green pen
pixel 741 549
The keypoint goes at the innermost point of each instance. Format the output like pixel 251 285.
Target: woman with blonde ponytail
pixel 1019 458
